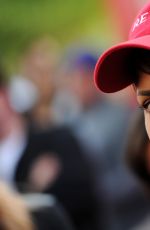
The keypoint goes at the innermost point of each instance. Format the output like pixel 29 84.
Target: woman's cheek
pixel 147 122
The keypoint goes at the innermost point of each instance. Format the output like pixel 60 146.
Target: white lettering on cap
pixel 140 20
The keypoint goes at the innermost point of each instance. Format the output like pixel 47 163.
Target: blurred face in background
pixel 39 71
pixel 82 86
pixel 39 66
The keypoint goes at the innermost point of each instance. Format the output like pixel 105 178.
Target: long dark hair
pixel 137 148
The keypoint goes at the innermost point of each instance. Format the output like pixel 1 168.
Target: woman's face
pixel 143 98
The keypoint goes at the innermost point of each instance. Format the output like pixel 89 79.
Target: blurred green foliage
pixel 22 21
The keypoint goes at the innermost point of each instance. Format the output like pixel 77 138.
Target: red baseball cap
pixel 111 73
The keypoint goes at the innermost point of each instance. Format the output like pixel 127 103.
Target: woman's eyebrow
pixel 143 92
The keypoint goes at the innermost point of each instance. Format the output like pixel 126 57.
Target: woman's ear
pixel 134 87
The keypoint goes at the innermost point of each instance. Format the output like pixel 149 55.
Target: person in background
pixel 16 141
pixel 89 122
pixel 46 159
pixel 36 83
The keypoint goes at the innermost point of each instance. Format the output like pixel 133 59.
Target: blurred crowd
pixel 68 152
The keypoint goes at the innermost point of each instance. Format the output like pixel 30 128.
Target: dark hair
pixel 136 150
pixel 138 62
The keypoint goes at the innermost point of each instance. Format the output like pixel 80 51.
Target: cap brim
pixel 111 73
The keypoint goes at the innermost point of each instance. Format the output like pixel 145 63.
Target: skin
pixel 143 98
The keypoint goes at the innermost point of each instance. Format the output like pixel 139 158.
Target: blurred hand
pixel 45 170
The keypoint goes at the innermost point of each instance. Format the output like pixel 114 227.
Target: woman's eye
pixel 146 106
